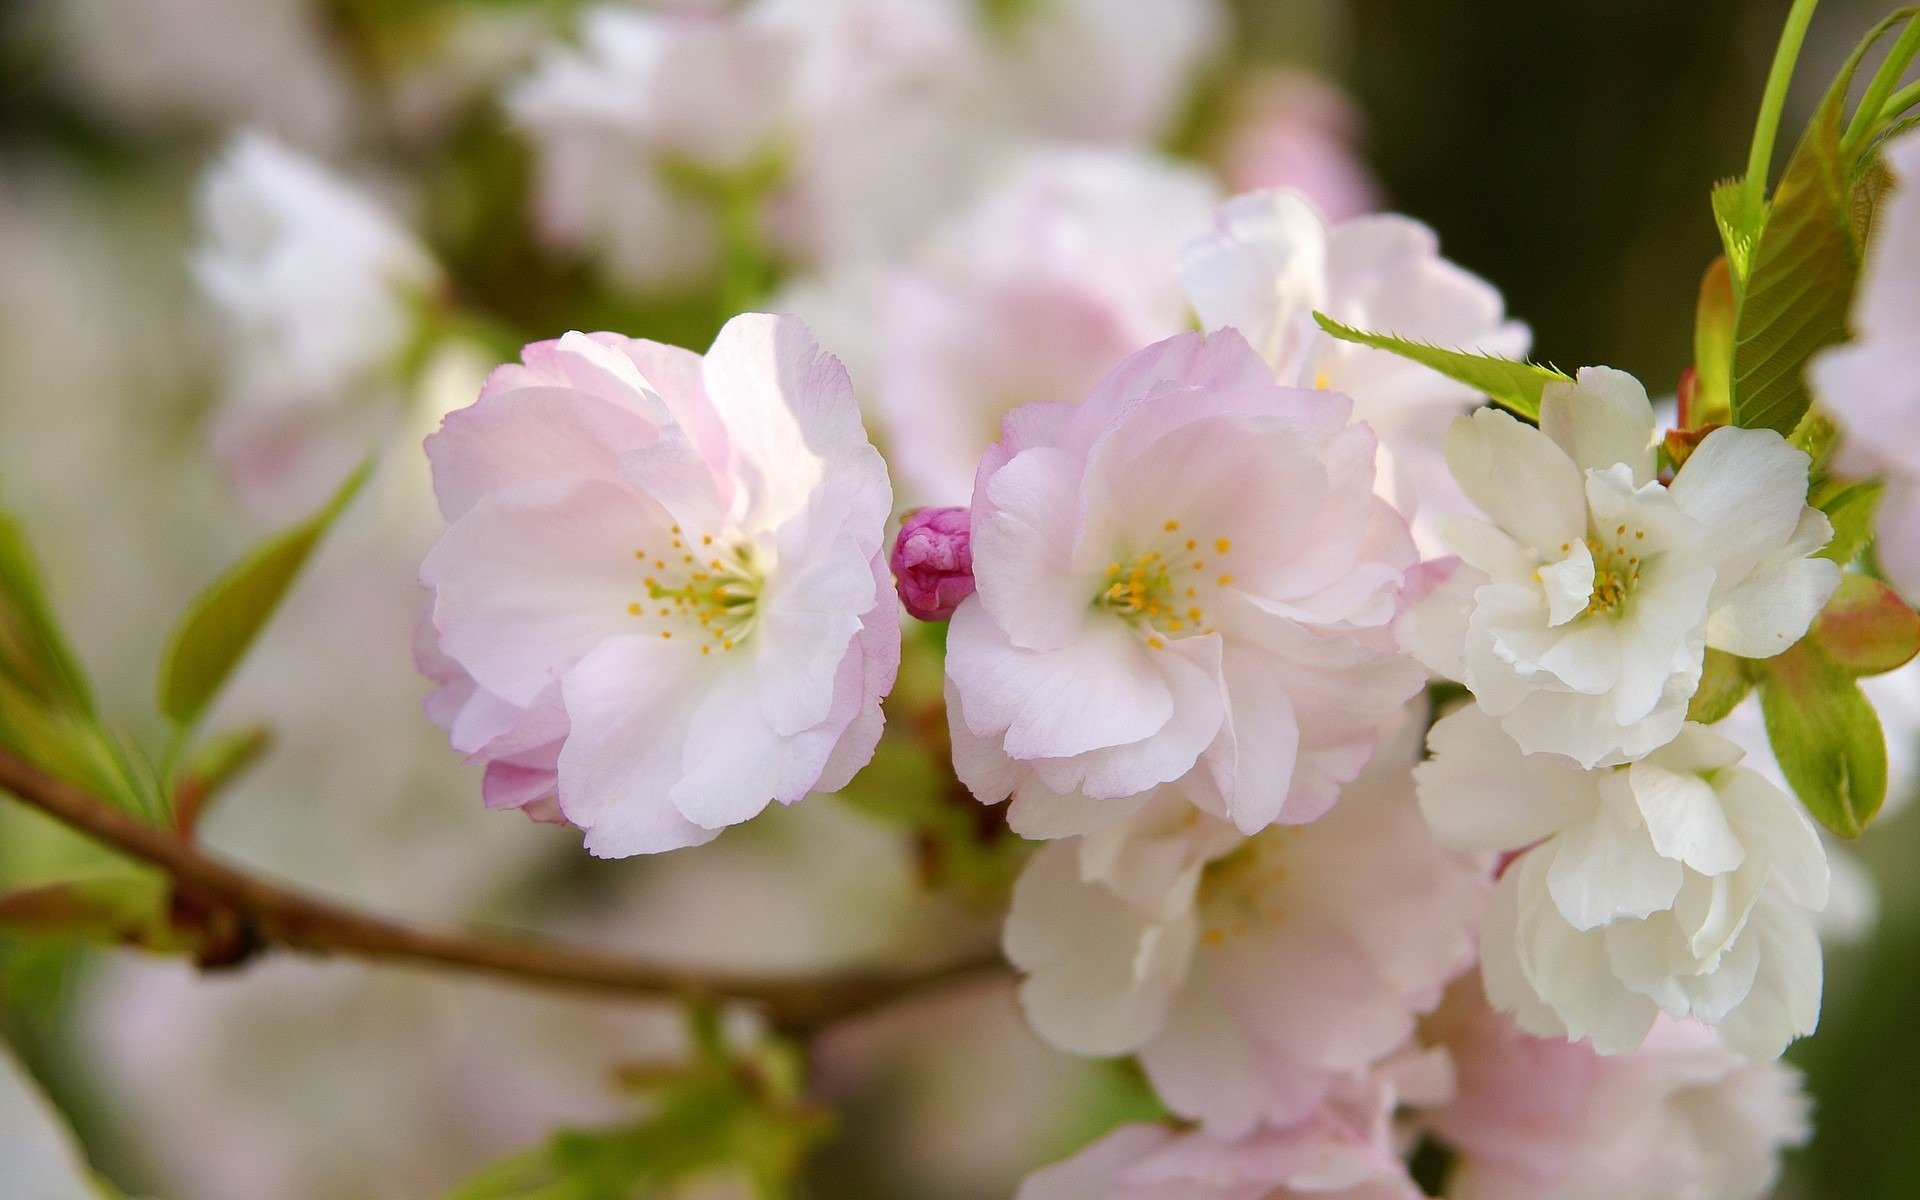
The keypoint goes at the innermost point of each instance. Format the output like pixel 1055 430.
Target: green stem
pixel 1874 101
pixel 1772 103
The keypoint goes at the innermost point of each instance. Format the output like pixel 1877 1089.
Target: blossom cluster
pixel 1360 723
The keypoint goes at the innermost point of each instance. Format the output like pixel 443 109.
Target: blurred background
pixel 1563 151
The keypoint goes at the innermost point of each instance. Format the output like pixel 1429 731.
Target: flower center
pixel 712 602
pixel 1617 560
pixel 1162 588
pixel 1242 892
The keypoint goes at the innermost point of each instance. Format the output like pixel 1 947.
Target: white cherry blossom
pixel 1581 611
pixel 1684 883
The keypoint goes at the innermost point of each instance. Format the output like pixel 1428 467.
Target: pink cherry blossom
pixel 1184 578
pixel 1545 1119
pixel 1273 260
pixel 661 600
pixel 1033 294
pixel 1253 977
pixel 1323 1158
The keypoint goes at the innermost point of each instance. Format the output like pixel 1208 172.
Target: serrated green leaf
pixel 1806 259
pixel 1507 382
pixel 221 624
pixel 1827 738
pixel 1724 683
pixel 1851 508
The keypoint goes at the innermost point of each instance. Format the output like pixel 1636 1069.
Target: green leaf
pixel 1865 629
pixel 1507 382
pixel 1736 235
pixel 1724 683
pixel 1851 508
pixel 1711 402
pixel 221 624
pixel 1827 739
pixel 33 652
pixel 1806 260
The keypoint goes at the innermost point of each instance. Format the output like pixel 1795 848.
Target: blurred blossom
pixel 1535 1118
pixel 1321 1158
pixel 1272 261
pixel 320 289
pixel 925 1127
pixel 418 1082
pixel 1871 387
pixel 1051 280
pixel 1290 129
pixel 1142 618
pixel 802 110
pixel 1103 70
pixel 662 599
pixel 1252 977
pixel 209 63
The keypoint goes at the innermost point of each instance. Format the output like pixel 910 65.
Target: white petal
pixel 1774 607
pixel 1747 488
pixel 1478 791
pixel 1601 419
pixel 1605 869
pixel 1263 273
pixel 1684 818
pixel 1520 478
pixel 1098 976
pixel 1568 584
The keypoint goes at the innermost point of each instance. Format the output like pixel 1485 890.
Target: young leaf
pixel 1711 402
pixel 33 652
pixel 1866 629
pixel 1736 235
pixel 1805 261
pixel 1827 739
pixel 1724 683
pixel 1508 383
pixel 223 621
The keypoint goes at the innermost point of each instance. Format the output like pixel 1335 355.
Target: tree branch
pixel 280 916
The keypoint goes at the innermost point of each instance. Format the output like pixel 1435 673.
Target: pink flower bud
pixel 933 561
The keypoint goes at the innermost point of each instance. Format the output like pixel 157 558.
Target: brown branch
pixel 279 916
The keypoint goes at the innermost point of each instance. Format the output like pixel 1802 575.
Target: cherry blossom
pixel 1251 976
pixel 1272 261
pixel 1323 1158
pixel 1034 294
pixel 1582 610
pixel 318 285
pixel 1684 883
pixel 1545 1119
pixel 1186 577
pixel 662 597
